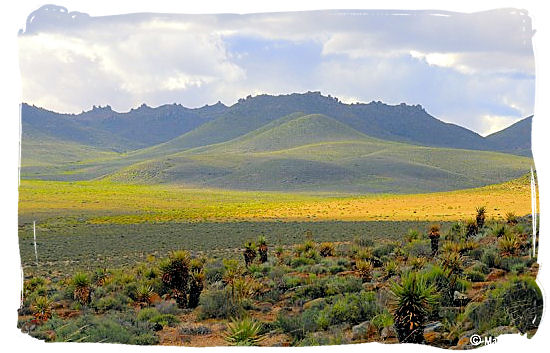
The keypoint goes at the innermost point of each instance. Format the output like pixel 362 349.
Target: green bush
pixel 351 308
pixel 418 248
pixel 112 328
pixel 474 276
pixel 384 249
pixel 517 303
pixel 218 304
pixel 490 257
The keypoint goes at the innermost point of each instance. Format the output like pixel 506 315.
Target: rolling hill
pixel 318 153
pixel 296 142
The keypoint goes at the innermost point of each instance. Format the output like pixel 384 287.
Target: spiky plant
pixel 196 285
pixel 509 245
pixel 414 299
pixel 262 249
pixel 417 263
pixel 82 290
pixel 364 268
pixel 100 275
pixel 480 216
pixel 434 234
pixel 471 228
pixel 326 249
pixel 249 253
pixel 144 293
pixel 175 275
pixel 453 264
pixel 244 332
pixel 511 218
pixel 42 309
pixel 499 230
pixel 232 272
pixel 391 268
pixel 362 253
pixel 411 235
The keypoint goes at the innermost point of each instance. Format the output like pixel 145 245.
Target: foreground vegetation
pixel 436 286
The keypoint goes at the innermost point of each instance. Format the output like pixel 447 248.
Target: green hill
pixel 318 153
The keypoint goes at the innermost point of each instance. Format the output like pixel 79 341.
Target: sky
pixel 475 70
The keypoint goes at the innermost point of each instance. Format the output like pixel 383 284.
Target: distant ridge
pixel 180 128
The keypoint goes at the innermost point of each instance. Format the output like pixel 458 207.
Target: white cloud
pixel 461 68
pixel 494 123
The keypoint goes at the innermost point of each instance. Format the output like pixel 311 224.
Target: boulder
pixel 365 330
pixel 436 326
pixel 460 298
pixel 388 333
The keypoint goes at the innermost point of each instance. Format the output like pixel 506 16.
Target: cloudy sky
pixel 475 70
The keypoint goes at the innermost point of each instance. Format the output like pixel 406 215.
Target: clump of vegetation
pixel 262 249
pixel 471 228
pixel 82 290
pixel 249 253
pixel 326 249
pixel 42 309
pixel 434 234
pixel 511 218
pixel 480 216
pixel 175 275
pixel 244 332
pixel 364 268
pixel 509 245
pixel 414 301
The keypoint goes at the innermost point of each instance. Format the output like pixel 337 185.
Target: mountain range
pixel 288 142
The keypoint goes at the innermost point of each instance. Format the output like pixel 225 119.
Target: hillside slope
pixel 515 138
pixel 318 153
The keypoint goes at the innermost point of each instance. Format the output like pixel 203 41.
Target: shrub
pixel 213 271
pixel 418 248
pixel 328 286
pixel 490 257
pixel 244 332
pixel 112 328
pixel 218 304
pixel 363 241
pixel 474 276
pixel 384 249
pixel 384 319
pixel 455 233
pixel 517 302
pixel 351 308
